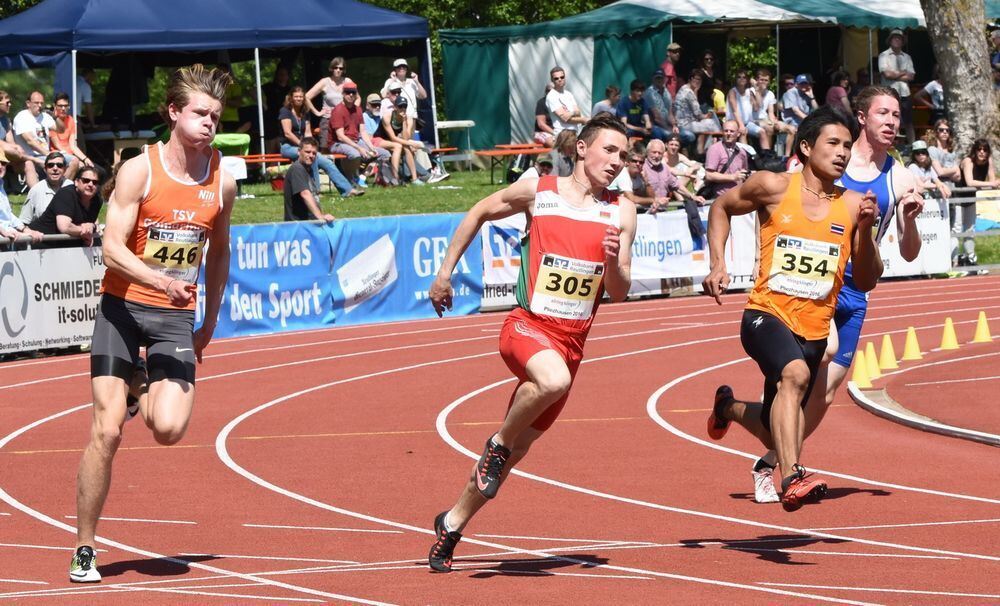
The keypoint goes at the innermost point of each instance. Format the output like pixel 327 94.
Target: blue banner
pixel 384 266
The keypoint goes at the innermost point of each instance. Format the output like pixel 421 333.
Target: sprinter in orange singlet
pixel 577 247
pixel 809 228
pixel 168 204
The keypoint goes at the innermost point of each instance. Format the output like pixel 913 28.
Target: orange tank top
pixel 802 263
pixel 175 221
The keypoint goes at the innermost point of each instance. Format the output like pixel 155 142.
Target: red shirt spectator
pixel 348 118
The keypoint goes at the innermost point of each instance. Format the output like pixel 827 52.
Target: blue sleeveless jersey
pixel 881 186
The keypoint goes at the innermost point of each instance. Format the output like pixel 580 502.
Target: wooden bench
pixel 498 156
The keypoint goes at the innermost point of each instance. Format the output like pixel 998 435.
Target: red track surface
pixel 355 438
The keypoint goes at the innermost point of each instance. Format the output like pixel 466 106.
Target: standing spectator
pixel 563 153
pixel 74 208
pixel 944 160
pixel 562 104
pixel 85 98
pixel 63 137
pixel 10 225
pixel 274 93
pixel 302 201
pixel 799 101
pixel 413 91
pixel 742 104
pixel 838 94
pixel 544 134
pixel 31 132
pixel 332 87
pixel 294 128
pixel 726 164
pixel 707 66
pixel 634 113
pixel 692 121
pixel 690 174
pixel 40 195
pixel 609 104
pixel 896 68
pixel 669 67
pixel 660 102
pixel 932 96
pixel 977 171
pixel 927 179
pixel 347 129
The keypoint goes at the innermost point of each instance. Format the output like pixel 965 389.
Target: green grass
pixel 988 250
pixel 268 206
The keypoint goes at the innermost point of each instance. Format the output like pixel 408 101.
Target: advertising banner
pixel 935 250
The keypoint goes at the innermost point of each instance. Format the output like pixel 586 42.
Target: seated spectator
pixel 609 104
pixel 10 225
pixel 726 164
pixel 541 167
pixel 977 171
pixel 837 94
pixel 392 128
pixel 274 93
pixel 690 174
pixel 927 179
pixel 664 186
pixel 660 103
pixel 798 101
pixel 31 133
pixel 302 201
pixel 351 138
pixel 373 123
pixel 13 151
pixel 412 90
pixel 718 97
pixel 691 120
pixel 63 137
pixel 544 135
pixel 932 96
pixel 294 125
pixel 563 154
pixel 41 194
pixel 634 113
pixel 74 209
pixel 944 160
pixel 863 79
pixel 742 104
pixel 630 182
pixel 332 87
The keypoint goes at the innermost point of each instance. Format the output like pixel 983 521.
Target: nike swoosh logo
pixel 480 483
pixel 179 350
pixel 78 574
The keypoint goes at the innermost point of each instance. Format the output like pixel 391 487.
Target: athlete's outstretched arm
pixel 751 195
pixel 519 197
pixel 865 255
pixel 618 253
pixel 216 266
pixel 909 206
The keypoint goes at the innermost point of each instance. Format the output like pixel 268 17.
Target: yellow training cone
pixel 948 338
pixel 860 374
pixel 873 370
pixel 911 351
pixel 887 356
pixel 982 330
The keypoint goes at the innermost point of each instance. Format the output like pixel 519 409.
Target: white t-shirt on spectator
pixel 936 92
pixel 927 175
pixel 765 103
pixel 38 200
pixel 409 91
pixel 561 101
pixel 24 122
pixel 622 183
pixel 83 95
pixel 900 62
pixel 947 159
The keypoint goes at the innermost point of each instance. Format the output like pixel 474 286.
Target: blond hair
pixel 194 79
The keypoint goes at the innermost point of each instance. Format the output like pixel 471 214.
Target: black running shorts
pixel 123 326
pixel 773 346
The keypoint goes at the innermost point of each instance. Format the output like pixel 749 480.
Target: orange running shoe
pixel 718 425
pixel 804 488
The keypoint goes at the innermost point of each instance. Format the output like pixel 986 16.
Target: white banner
pixel 501 261
pixel 935 252
pixel 48 298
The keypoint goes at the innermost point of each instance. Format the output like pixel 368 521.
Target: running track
pixel 316 461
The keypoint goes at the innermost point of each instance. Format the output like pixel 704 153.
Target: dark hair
pixel 980 144
pixel 696 73
pixel 61 97
pixel 932 137
pixel 308 141
pixel 763 71
pixel 98 173
pixel 637 85
pixel 555 69
pixel 839 75
pixel 288 98
pixel 611 91
pixel 54 155
pixel 813 124
pixel 863 101
pixel 603 121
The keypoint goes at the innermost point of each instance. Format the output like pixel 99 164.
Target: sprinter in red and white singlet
pixel 577 247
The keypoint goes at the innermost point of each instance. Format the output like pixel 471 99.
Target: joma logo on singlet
pixel 206 195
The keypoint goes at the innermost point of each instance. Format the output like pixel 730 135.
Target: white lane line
pixel 223 454
pixel 948 381
pixel 4 513
pixel 23 581
pixel 853 554
pixel 553 539
pixel 142 520
pixel 888 590
pixel 322 528
pixel 10 500
pixel 241 596
pixel 952 523
pixel 553 573
pixel 23 546
pixel 259 557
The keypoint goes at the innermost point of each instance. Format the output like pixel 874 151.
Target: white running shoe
pixel 763 486
pixel 83 567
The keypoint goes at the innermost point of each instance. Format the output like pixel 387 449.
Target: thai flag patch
pixel 837 228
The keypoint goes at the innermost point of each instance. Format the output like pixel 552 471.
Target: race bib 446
pixel 174 252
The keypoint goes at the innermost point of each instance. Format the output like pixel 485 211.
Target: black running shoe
pixel 490 468
pixel 83 567
pixel 132 401
pixel 442 549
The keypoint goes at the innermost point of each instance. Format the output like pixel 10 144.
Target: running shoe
pixel 132 401
pixel 718 425
pixel 83 567
pixel 443 549
pixel 437 177
pixel 763 486
pixel 490 468
pixel 804 488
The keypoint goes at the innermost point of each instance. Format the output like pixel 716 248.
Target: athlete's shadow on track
pixel 777 549
pixel 831 494
pixel 534 567
pixel 156 567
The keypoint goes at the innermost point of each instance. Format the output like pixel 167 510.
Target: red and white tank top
pixel 175 221
pixel 562 260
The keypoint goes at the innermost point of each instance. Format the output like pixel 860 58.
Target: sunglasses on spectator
pixel 337 68
pixel 63 105
pixel 87 181
pixel 374 104
pixel 944 129
pixel 54 165
pixel 635 160
pixel 558 78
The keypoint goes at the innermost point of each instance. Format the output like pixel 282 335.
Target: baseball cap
pixel 673 46
pixel 803 79
pixel 373 98
pixel 395 87
pixel 659 73
pixel 350 87
pixel 919 146
pixel 399 62
pixel 401 101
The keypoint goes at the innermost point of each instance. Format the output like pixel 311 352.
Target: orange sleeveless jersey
pixel 174 223
pixel 802 263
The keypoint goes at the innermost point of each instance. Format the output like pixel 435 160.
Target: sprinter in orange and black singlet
pixel 809 228
pixel 168 217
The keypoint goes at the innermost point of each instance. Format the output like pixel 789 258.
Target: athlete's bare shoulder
pixel 131 179
pixel 766 187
